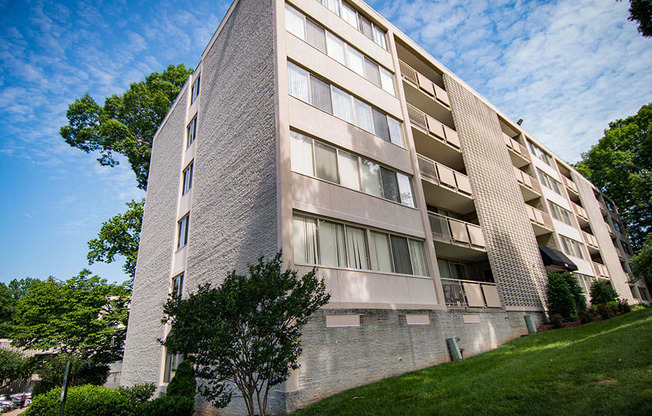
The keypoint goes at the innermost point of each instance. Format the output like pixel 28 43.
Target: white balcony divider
pixel 601 270
pixel 470 294
pixel 516 146
pixel 580 211
pixel 433 127
pixel 444 176
pixel 456 231
pixel 527 180
pixel 539 217
pixel 590 239
pixel 424 84
pixel 570 184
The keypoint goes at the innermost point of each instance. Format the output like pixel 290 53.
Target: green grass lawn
pixel 603 368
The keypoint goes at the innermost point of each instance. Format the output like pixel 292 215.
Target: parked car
pixel 6 404
pixel 21 397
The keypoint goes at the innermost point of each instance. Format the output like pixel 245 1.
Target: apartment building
pixel 318 128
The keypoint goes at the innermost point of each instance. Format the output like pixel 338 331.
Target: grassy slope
pixel 604 368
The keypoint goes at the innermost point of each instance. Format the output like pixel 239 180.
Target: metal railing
pixel 444 176
pixel 539 217
pixel 470 294
pixel 590 239
pixel 423 83
pixel 527 180
pixel 580 211
pixel 601 270
pixel 517 147
pixel 456 231
pixel 433 127
pixel 570 184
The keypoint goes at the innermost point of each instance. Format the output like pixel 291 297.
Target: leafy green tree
pixel 602 293
pixel 183 383
pixel 246 331
pixel 642 262
pixel 565 296
pixel 52 368
pixel 621 166
pixel 641 11
pixel 126 124
pixel 13 366
pixel 119 236
pixel 84 317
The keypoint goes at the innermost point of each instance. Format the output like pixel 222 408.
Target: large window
pixel 307 87
pixel 571 247
pixel 539 153
pixel 314 158
pixel 312 33
pixel 182 237
pixel 322 242
pixel 357 20
pixel 187 178
pixel 549 182
pixel 560 214
pixel 191 131
pixel 194 91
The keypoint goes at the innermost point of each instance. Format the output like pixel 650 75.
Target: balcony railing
pixel 455 231
pixel 539 217
pixel 516 147
pixel 580 211
pixel 444 176
pixel 433 127
pixel 470 294
pixel 590 239
pixel 527 180
pixel 570 184
pixel 601 270
pixel 424 84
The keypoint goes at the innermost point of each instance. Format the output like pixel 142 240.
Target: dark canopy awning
pixel 552 257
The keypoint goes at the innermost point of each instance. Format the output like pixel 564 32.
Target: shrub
pixel 607 310
pixel 556 320
pixel 623 306
pixel 167 406
pixel 138 393
pixel 585 316
pixel 82 372
pixel 82 401
pixel 565 296
pixel 638 307
pixel 183 383
pixel 602 293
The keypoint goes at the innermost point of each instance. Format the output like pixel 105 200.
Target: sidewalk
pixel 16 412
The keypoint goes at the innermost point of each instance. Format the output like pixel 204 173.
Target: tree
pixel 183 383
pixel 565 296
pixel 621 166
pixel 13 366
pixel 52 368
pixel 83 317
pixel 126 123
pixel 641 11
pixel 246 331
pixel 602 293
pixel 642 262
pixel 119 236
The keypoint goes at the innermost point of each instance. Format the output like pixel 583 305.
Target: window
pixel 183 231
pixel 314 158
pixel 610 206
pixel 194 91
pixel 626 248
pixel 328 43
pixel 560 214
pixel 191 131
pixel 171 363
pixel 329 243
pixel 326 97
pixel 549 182
pixel 187 178
pixel 177 286
pixel 539 153
pixel 571 247
pixel 357 20
pixel 453 269
pixel 618 227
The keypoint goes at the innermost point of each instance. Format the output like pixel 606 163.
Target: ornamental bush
pixel 138 393
pixel 565 296
pixel 167 406
pixel 183 383
pixel 602 293
pixel 85 400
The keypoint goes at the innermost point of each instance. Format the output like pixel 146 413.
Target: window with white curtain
pixel 349 15
pixel 346 169
pixel 313 90
pixel 379 37
pixel 330 243
pixel 357 20
pixel 325 41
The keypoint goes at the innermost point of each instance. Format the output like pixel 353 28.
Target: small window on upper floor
pixel 177 286
pixel 357 20
pixel 610 206
pixel 194 91
pixel 540 154
pixel 187 178
pixel 182 236
pixel 191 131
pixel 618 226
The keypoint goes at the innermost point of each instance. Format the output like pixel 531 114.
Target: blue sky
pixel 566 67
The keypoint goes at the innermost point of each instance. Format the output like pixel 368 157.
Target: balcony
pixel 445 187
pixel 581 212
pixel 470 294
pixel 601 270
pixel 570 185
pixel 517 152
pixel 530 187
pixel 457 239
pixel 590 240
pixel 422 83
pixel 541 221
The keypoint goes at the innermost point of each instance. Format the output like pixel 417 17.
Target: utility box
pixel 531 327
pixel 454 349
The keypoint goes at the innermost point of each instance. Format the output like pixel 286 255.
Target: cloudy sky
pixel 566 67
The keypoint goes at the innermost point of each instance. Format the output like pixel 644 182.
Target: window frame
pixel 191 127
pixel 194 89
pixel 186 184
pixel 182 228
